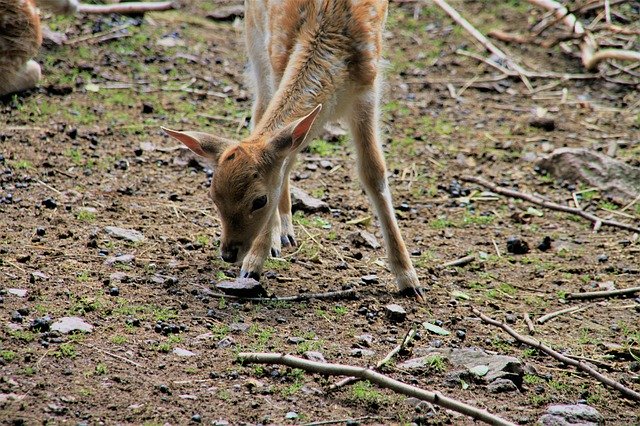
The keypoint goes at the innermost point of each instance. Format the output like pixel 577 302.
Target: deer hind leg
pixel 27 77
pixel 363 122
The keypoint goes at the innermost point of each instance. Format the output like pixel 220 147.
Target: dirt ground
pixel 85 151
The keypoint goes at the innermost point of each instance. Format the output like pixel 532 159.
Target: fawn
pixel 20 38
pixel 311 61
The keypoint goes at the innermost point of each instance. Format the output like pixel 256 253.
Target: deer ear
pixel 203 144
pixel 293 136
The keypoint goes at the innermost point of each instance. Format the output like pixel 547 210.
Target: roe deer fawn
pixel 20 38
pixel 311 61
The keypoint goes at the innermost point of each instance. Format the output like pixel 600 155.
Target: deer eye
pixel 259 203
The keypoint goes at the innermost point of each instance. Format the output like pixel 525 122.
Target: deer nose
pixel 229 253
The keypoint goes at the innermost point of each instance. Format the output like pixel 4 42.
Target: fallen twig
pixel 530 326
pixel 374 377
pixel 340 294
pixel 459 262
pixel 548 204
pixel 555 314
pixel 111 354
pixel 405 341
pixel 484 41
pixel 125 8
pixel 599 294
pixel 629 393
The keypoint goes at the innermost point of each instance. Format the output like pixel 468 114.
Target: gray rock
pixel 369 279
pixel 291 415
pixel 225 343
pixel 395 312
pixel 118 277
pixel 300 200
pixel 360 353
pixel 363 238
pixel 314 356
pixel 365 340
pixel 66 325
pixel 454 379
pixel 242 287
pixel 568 415
pixel 502 385
pixel 124 234
pixel 615 178
pixel 294 340
pixel 37 276
pixel 124 259
pixel 19 292
pixel 500 366
pixel 238 327
pixel 183 352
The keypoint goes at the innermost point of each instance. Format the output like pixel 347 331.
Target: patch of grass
pixel 219 331
pixel 532 379
pixel 119 339
pixel 202 239
pixel 7 355
pixel 435 363
pixel 340 310
pixel 277 264
pixel 21 164
pixel 85 216
pixel 101 369
pixel 66 350
pixel 441 223
pixel 164 314
pixel 507 288
pixel 23 335
pixel 363 392
pixel 323 148
pixel 28 371
pixel 470 219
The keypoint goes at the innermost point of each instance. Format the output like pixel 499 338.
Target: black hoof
pixel 288 241
pixel 275 252
pixel 418 293
pixel 252 275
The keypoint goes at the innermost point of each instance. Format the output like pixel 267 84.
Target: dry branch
pixel 555 314
pixel 377 378
pixel 591 56
pixel 599 294
pixel 548 204
pixel 126 8
pixel 530 326
pixel 484 41
pixel 459 262
pixel 629 393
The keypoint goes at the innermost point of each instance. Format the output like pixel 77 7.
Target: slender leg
pixel 260 249
pixel 372 169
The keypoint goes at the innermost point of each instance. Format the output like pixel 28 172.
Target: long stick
pixel 377 378
pixel 124 8
pixel 629 393
pixel 484 41
pixel 548 204
pixel 607 293
pixel 341 294
pixel 568 310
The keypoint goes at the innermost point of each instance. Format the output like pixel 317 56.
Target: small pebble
pixel 516 245
pixel 602 258
pixel 197 418
pixel 114 291
pixel 50 203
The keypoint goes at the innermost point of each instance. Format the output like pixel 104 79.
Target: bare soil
pixel 84 151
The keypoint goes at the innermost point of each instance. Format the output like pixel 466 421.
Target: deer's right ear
pixel 203 144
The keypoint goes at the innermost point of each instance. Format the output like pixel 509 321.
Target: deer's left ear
pixel 203 144
pixel 292 137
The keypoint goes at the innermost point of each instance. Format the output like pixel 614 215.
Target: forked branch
pixel 597 221
pixel 629 393
pixel 374 377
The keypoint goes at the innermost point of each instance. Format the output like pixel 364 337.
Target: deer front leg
pixel 262 246
pixel 372 170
